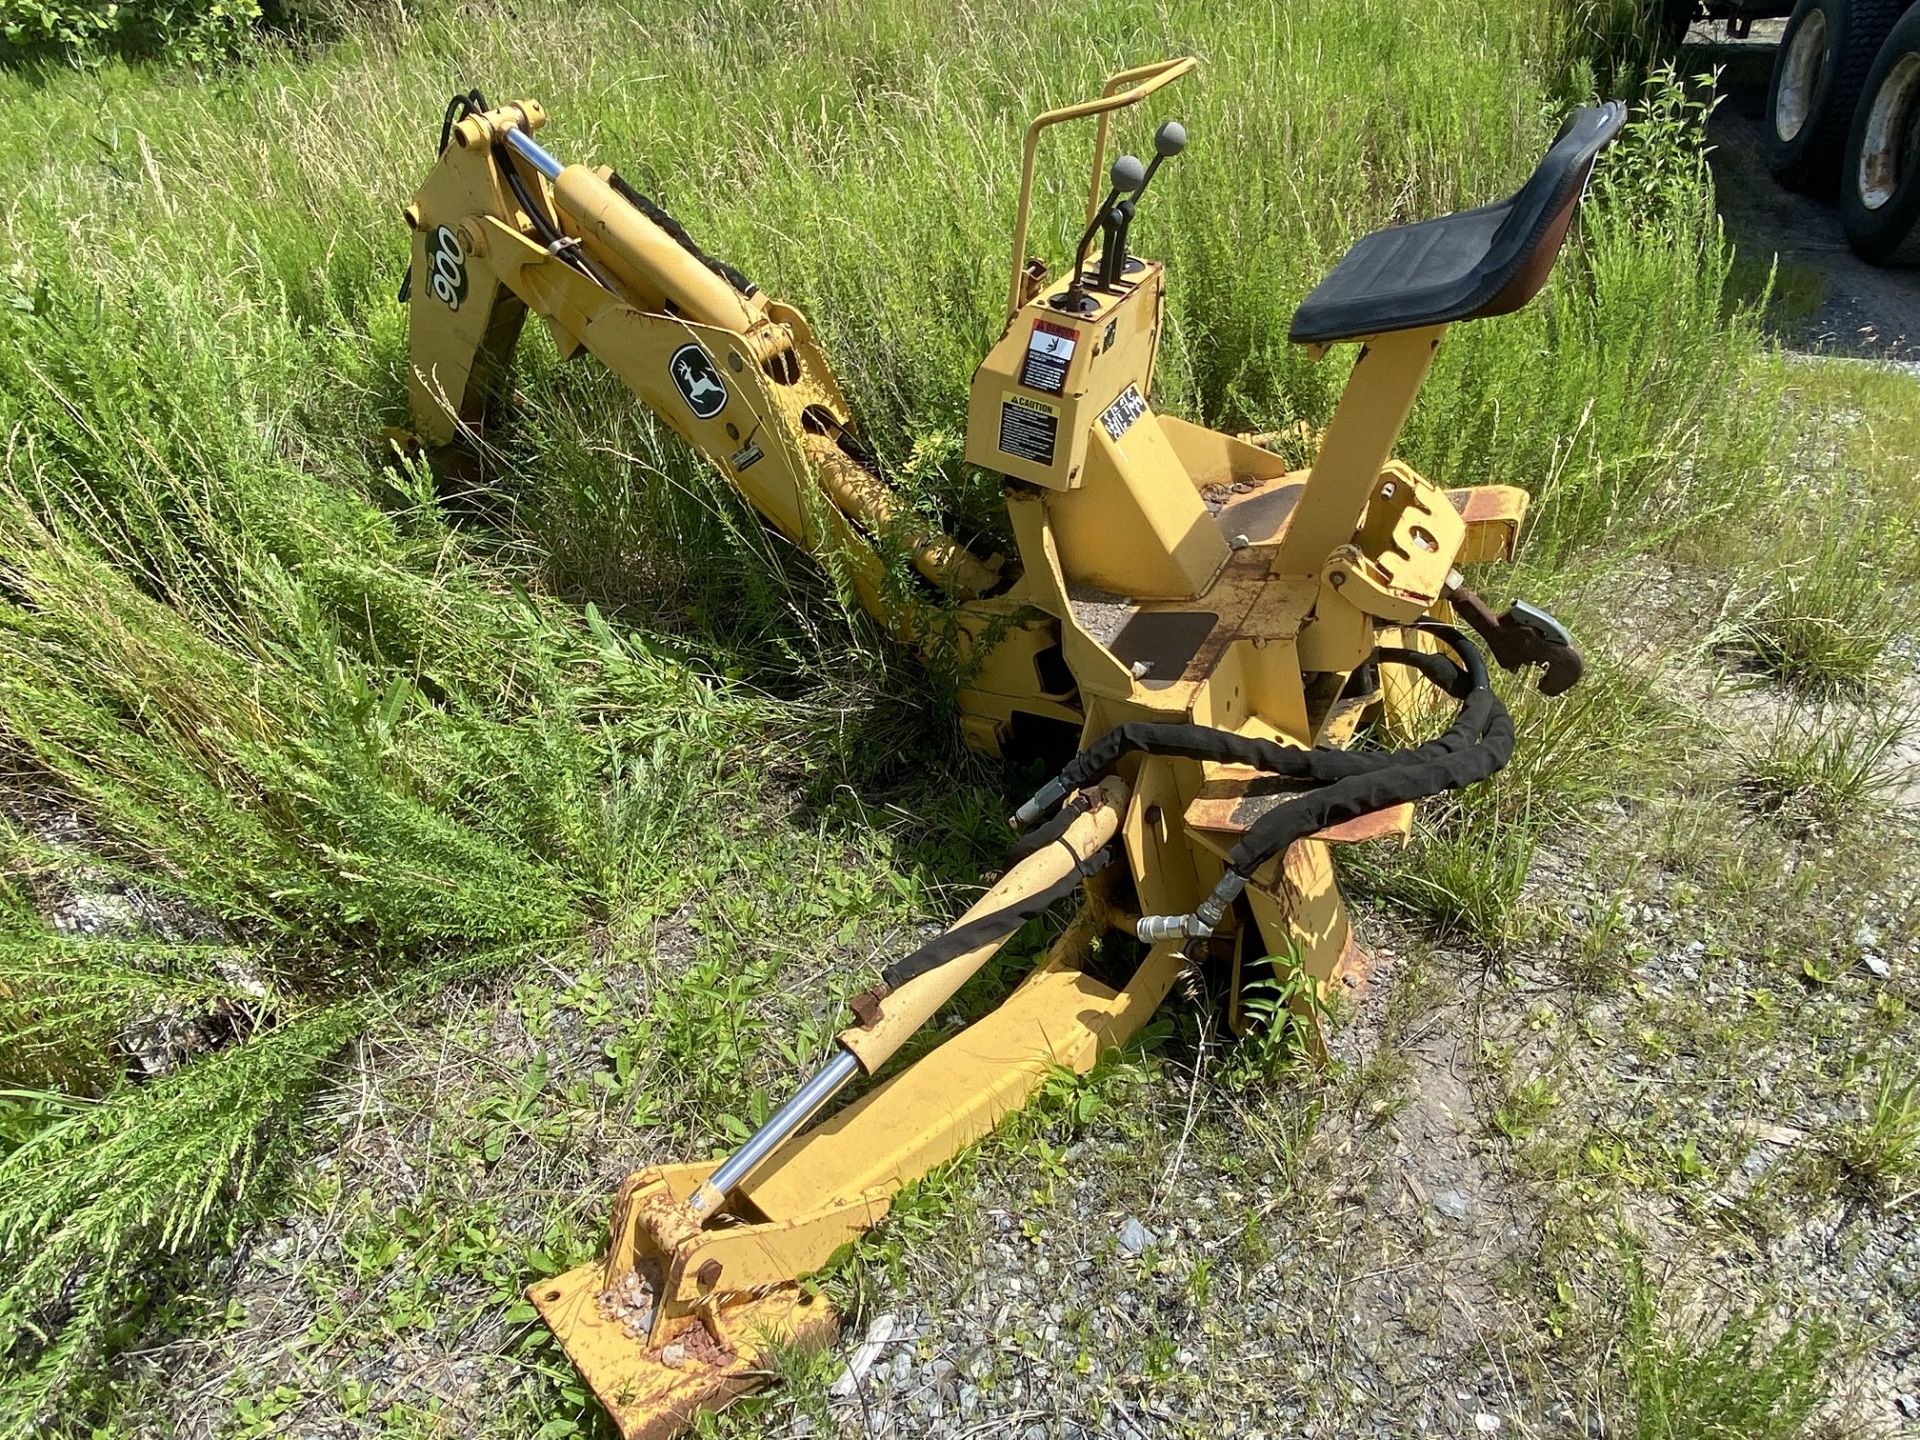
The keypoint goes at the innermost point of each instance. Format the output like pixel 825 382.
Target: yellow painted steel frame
pixel 680 1316
pixel 717 1300
pixel 1166 571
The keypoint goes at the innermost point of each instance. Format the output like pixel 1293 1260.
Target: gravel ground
pixel 1360 1294
pixel 1397 1293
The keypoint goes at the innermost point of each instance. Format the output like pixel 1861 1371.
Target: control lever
pixel 1168 141
pixel 1127 174
pixel 1523 635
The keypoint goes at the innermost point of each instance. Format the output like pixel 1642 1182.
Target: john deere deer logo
pixel 698 382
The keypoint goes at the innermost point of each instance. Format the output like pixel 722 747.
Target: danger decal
pixel 1049 353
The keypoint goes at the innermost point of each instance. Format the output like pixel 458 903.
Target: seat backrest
pixel 1543 208
pixel 1485 261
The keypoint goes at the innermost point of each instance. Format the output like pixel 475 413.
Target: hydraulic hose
pixel 1346 784
pixel 916 985
pixel 1321 764
pixel 1357 795
pixel 995 925
pixel 560 245
pixel 458 108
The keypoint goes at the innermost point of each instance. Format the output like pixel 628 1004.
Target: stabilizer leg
pixel 679 1319
pixel 458 355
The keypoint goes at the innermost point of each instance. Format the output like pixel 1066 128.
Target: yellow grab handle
pixel 1141 81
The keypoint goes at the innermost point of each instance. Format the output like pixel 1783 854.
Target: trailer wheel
pixel 1818 74
pixel 1880 200
pixel 1675 18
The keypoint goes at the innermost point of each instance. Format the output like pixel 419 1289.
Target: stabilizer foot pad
pixel 717 1356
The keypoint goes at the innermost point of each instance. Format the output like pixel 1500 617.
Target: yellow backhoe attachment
pixel 1204 628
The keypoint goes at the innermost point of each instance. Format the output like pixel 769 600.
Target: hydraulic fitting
pixel 1044 799
pixel 1204 920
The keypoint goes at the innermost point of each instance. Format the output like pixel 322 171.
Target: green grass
pixel 1822 616
pixel 364 745
pixel 1878 1153
pixel 1602 744
pixel 1816 772
pixel 1818 598
pixel 1734 1374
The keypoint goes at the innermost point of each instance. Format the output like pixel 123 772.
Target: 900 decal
pixel 446 267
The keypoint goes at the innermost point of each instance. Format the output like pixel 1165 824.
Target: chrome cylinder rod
pixel 530 151
pixel 787 1119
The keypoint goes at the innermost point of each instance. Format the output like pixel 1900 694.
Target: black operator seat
pixel 1464 265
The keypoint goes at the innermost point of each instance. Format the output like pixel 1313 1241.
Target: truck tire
pixel 1880 196
pixel 1674 18
pixel 1818 73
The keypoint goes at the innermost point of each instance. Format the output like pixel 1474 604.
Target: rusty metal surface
pixel 1233 799
pixel 1516 644
pixel 1395 820
pixel 711 1358
pixel 1492 514
pixel 1259 512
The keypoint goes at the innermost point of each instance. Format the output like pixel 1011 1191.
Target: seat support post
pixel 1356 446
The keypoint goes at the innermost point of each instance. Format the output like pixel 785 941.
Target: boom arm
pixel 501 227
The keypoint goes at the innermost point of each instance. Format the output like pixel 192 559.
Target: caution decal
pixel 1029 428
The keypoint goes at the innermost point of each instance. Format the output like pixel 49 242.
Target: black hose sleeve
pixel 1424 771
pixel 994 925
pixel 1468 652
pixel 1438 669
pixel 1357 795
pixel 1045 835
pixel 536 215
pixel 458 108
pixel 455 110
pixel 1320 764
